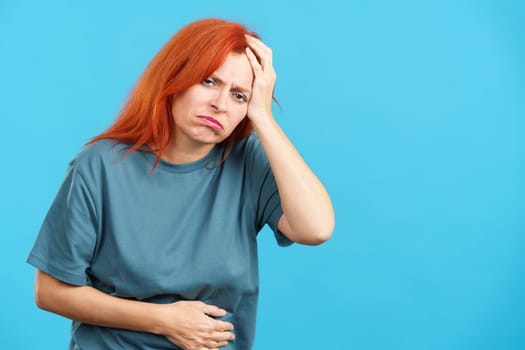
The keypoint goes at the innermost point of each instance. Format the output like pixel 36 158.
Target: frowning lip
pixel 211 122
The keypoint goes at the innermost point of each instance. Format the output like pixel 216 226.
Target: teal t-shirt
pixel 183 232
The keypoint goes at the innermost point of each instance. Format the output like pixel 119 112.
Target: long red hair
pixel 190 56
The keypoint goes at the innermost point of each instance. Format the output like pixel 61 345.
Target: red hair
pixel 190 56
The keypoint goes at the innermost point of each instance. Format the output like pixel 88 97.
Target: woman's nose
pixel 219 101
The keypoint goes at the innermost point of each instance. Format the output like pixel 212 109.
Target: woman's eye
pixel 209 81
pixel 240 96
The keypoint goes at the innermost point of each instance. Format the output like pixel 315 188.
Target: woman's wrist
pixel 262 121
pixel 157 316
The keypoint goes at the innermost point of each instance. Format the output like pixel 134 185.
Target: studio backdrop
pixel 410 112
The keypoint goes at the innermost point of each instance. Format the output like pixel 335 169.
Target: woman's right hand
pixel 190 325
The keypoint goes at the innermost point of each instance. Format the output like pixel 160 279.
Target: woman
pixel 151 240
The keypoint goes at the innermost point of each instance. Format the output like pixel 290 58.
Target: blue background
pixel 411 112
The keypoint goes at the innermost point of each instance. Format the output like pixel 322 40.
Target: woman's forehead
pixel 236 70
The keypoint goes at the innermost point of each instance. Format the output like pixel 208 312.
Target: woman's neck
pixel 185 152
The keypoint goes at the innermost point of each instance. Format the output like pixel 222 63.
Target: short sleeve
pixel 67 239
pixel 269 209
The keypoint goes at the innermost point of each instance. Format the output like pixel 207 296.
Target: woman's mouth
pixel 211 122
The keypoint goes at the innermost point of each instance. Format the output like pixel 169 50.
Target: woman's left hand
pixel 260 104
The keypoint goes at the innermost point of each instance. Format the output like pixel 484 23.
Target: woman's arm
pixel 185 323
pixel 308 215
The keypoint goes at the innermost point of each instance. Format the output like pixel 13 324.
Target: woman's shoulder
pixel 249 144
pixel 98 154
pixel 251 153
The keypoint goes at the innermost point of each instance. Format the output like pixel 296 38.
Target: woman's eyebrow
pixel 242 89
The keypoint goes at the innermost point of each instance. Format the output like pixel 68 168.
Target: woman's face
pixel 208 112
